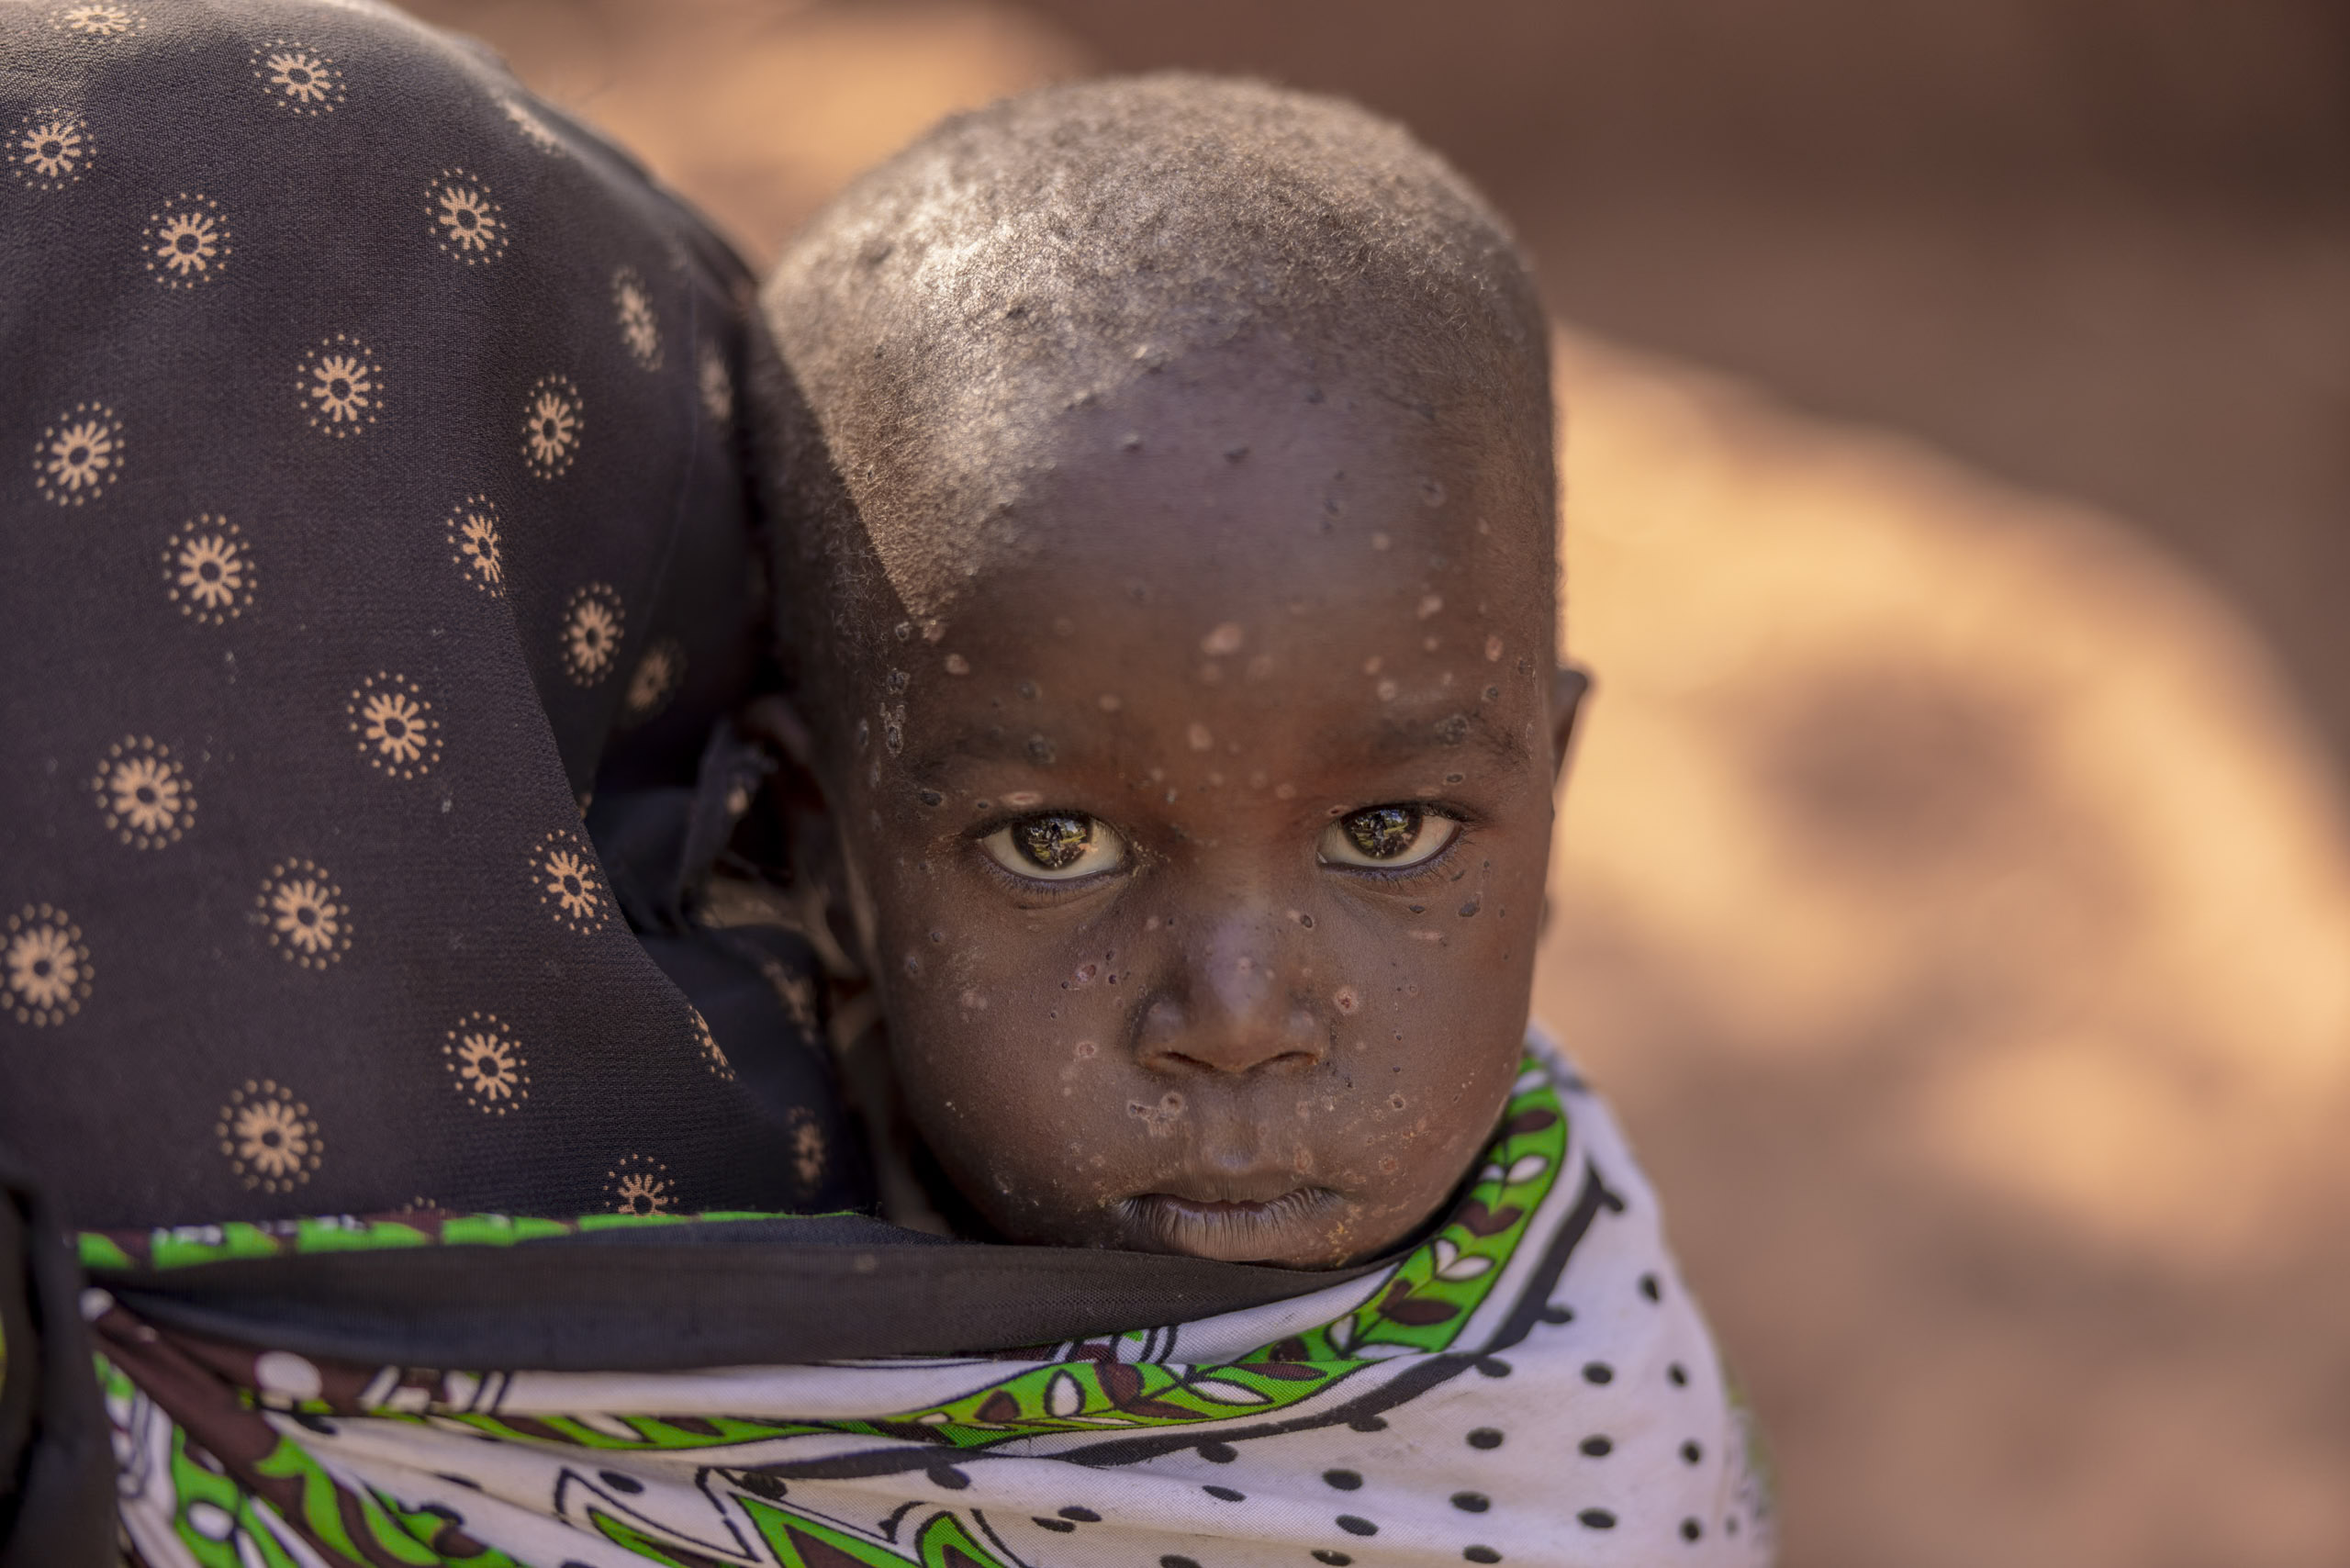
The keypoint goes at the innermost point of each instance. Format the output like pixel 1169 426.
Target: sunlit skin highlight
pixel 1236 1009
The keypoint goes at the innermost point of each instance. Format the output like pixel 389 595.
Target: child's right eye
pixel 1056 846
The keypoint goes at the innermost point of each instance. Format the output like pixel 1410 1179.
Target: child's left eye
pixel 1387 838
pixel 1056 846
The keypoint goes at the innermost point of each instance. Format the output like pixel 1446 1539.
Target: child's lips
pixel 1287 1226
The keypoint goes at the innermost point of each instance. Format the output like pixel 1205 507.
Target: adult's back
pixel 371 498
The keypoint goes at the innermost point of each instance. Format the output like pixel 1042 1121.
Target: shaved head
pixel 1026 264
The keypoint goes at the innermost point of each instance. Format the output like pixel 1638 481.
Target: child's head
pixel 1178 649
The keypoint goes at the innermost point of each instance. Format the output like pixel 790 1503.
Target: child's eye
pixel 1057 846
pixel 1388 837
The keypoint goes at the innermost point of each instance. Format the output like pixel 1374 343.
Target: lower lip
pixel 1292 1226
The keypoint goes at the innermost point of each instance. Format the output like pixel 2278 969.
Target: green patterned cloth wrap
pixel 1529 1384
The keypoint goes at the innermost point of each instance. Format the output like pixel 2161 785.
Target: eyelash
pixel 1039 889
pixel 1412 876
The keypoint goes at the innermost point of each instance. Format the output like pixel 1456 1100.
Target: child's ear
pixel 1569 687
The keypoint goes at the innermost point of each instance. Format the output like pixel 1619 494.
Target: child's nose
pixel 1231 1012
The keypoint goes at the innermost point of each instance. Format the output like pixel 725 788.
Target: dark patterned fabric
pixel 370 500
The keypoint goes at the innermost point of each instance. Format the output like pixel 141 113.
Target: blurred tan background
pixel 1955 885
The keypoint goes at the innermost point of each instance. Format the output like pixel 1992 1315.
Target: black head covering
pixel 371 499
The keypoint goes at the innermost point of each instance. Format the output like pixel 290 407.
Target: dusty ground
pixel 1955 891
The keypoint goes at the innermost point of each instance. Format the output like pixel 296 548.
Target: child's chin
pixel 1303 1228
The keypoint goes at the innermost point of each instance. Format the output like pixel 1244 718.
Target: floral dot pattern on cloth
pixel 209 570
pixel 100 22
pixel 143 794
pixel 48 964
pixel 592 624
pixel 268 1138
pixel 308 918
pixel 571 887
pixel 393 719
pixel 553 423
pixel 473 543
pixel 342 386
pixel 466 224
pixel 488 1063
pixel 79 456
pixel 298 78
pixel 331 597
pixel 52 148
pixel 658 675
pixel 640 1185
pixel 188 242
pixel 633 307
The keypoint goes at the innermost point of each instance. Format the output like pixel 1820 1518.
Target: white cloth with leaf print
pixel 1531 1385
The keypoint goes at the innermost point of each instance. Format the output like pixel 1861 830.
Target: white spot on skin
pixel 1492 649
pixel 1371 665
pixel 1086 1049
pixel 1108 703
pixel 1380 541
pixel 1199 737
pixel 973 1001
pixel 1160 1118
pixel 1387 690
pixel 958 665
pixel 1284 792
pixel 1429 605
pixel 1226 638
pixel 1021 799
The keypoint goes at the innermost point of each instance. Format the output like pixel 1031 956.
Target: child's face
pixel 1204 867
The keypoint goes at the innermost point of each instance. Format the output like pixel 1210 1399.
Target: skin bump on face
pixel 1200 841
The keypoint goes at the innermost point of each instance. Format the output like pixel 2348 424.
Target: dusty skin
pixel 1199 845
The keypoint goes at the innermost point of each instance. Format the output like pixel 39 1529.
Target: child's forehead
pixel 1233 527
pixel 1183 598
pixel 1251 461
pixel 1219 580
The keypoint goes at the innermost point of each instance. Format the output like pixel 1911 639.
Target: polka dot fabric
pixel 371 499
pixel 1529 1385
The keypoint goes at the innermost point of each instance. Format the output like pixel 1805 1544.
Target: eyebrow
pixel 1418 733
pixel 995 742
pixel 1392 739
